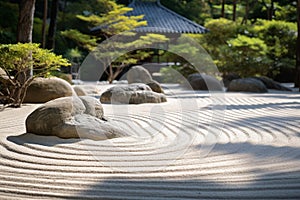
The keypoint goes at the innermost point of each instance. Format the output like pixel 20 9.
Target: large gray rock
pixel 132 94
pixel 138 74
pixel 42 90
pixel 72 117
pixel 204 82
pixel 271 84
pixel 247 85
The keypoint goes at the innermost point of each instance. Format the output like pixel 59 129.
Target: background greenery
pixel 258 37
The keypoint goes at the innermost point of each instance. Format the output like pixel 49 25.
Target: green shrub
pixel 264 48
pixel 245 56
pixel 220 30
pixel 280 38
pixel 18 61
pixel 170 75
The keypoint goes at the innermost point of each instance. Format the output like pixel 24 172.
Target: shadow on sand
pixel 259 182
pixel 29 138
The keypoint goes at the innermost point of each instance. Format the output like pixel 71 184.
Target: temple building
pixel 161 19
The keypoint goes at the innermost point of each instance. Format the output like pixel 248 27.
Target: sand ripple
pixel 256 155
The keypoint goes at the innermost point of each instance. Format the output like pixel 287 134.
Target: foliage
pixel 216 40
pixel 286 11
pixel 37 30
pixel 280 38
pixel 17 60
pixel 196 10
pixel 264 48
pixel 171 74
pixel 67 20
pixel 8 27
pixel 74 55
pixel 185 50
pixel 220 30
pixel 112 23
pixel 245 56
pixel 114 53
pixel 115 21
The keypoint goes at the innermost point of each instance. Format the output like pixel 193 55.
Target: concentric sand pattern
pixel 255 156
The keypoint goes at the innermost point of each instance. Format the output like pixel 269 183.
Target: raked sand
pixel 187 148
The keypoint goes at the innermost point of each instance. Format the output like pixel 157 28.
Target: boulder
pixel 271 84
pixel 42 90
pixel 79 91
pixel 204 82
pixel 72 117
pixel 138 74
pixel 4 84
pixel 155 86
pixel 247 85
pixel 90 89
pixel 132 94
pixel 228 78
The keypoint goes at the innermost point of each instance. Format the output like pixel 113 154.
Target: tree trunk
pixel 52 27
pixel 234 10
pixel 271 11
pixel 64 10
pixel 44 23
pixel 297 79
pixel 25 21
pixel 223 9
pixel 245 19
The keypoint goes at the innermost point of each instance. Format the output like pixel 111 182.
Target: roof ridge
pixel 160 22
pixel 177 15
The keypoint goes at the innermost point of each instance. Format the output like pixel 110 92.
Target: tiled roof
pixel 162 20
